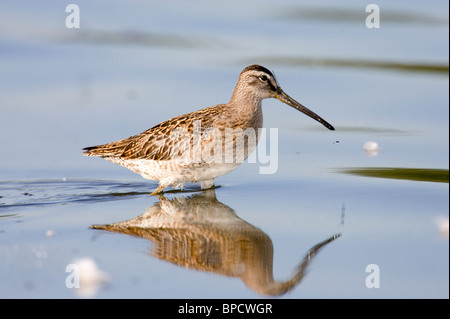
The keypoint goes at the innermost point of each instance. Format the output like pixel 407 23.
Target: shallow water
pixel 311 226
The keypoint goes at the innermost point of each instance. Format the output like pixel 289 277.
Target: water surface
pixel 311 226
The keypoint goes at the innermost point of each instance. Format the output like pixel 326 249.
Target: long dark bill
pixel 283 97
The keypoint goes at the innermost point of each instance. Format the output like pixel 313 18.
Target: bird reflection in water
pixel 199 232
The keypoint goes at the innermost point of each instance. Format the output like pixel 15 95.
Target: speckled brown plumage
pixel 157 142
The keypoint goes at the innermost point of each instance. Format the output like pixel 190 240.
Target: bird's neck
pixel 245 101
pixel 246 111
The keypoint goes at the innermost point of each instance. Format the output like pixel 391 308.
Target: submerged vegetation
pixel 413 174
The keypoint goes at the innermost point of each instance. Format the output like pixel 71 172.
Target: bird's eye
pixel 263 78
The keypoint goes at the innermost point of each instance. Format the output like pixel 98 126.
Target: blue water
pixel 131 65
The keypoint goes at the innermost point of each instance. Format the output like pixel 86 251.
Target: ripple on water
pixel 58 192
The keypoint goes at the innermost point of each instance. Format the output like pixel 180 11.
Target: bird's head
pixel 262 84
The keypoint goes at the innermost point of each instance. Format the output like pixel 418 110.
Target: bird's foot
pixel 159 190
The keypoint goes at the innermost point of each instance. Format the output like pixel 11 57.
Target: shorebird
pixel 196 147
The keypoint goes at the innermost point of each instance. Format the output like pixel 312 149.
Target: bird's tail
pixel 114 149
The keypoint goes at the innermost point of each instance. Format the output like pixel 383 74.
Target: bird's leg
pixel 159 190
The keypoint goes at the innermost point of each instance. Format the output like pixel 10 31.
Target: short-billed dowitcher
pixel 196 147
